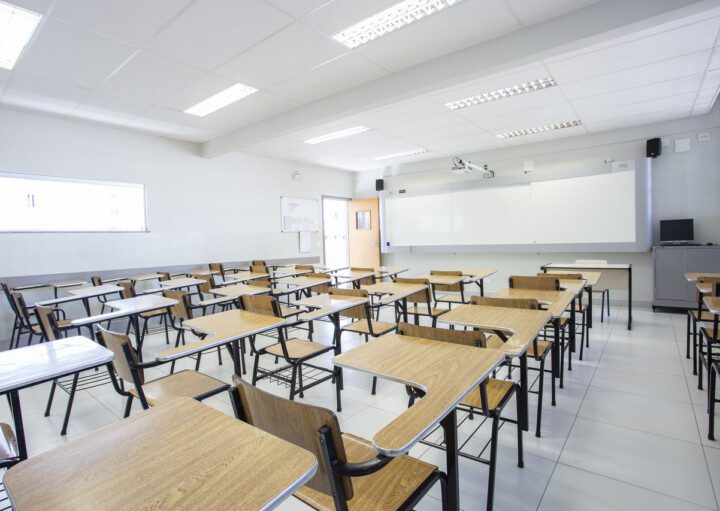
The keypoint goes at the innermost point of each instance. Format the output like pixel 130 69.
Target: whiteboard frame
pixel 317 208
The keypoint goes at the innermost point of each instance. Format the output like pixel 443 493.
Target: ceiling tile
pixel 459 130
pixel 297 8
pixel 532 11
pixel 347 71
pixel 42 94
pixel 637 109
pixel 681 41
pixel 72 55
pixel 505 106
pixel 208 85
pixel 294 49
pixel 677 67
pixel 466 143
pixel 430 122
pixel 132 21
pixel 383 147
pixel 211 32
pixel 546 135
pixel 149 78
pixel 638 120
pixel 550 114
pixel 465 24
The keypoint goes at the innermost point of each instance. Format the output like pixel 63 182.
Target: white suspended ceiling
pixel 139 64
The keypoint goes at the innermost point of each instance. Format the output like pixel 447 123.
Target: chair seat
pixel 497 391
pixel 153 313
pixel 298 348
pixel 386 489
pixel 543 347
pixel 61 324
pixel 289 310
pixel 422 310
pixel 182 384
pixel 452 299
pixel 704 316
pixel 8 443
pixel 378 327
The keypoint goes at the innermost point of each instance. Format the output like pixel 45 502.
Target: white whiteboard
pixel 497 215
pixel 591 209
pixel 420 220
pixel 300 214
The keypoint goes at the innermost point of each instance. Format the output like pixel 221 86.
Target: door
pixel 335 232
pixel 364 232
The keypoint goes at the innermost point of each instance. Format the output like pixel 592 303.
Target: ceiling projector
pixel 461 167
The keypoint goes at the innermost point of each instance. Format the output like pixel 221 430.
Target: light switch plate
pixel 682 145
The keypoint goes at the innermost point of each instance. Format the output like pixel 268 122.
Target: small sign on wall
pixel 305 242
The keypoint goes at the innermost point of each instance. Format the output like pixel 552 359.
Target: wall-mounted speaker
pixel 379 185
pixel 653 147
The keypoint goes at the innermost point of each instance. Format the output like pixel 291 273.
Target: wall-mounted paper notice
pixel 305 242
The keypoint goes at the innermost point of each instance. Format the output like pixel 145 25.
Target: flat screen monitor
pixel 676 230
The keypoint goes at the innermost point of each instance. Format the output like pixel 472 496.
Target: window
pixel 362 220
pixel 42 204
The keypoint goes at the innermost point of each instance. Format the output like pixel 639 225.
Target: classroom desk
pixel 394 293
pixel 389 271
pixel 40 363
pixel 196 272
pixel 297 284
pixel 287 273
pixel 179 455
pixel 84 294
pixel 518 327
pixel 592 278
pixel 478 275
pixel 616 276
pixel 445 280
pixel 445 372
pixel 178 283
pixel 222 328
pixel 329 305
pixel 142 277
pixel 245 277
pixel 352 276
pixel 237 290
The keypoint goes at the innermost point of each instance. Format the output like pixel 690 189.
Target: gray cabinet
pixel 669 267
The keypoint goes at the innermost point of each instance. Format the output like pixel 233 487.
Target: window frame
pixel 40 177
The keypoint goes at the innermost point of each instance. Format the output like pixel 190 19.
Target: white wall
pixel 684 185
pixel 199 210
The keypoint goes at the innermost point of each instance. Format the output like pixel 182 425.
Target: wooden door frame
pixel 322 220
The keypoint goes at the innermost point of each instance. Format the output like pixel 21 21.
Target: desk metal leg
pixel 449 425
pixel 138 342
pixel 555 353
pixel 629 298
pixel 337 334
pixel 86 303
pixel 17 419
pixel 573 306
pixel 524 391
pixel 589 291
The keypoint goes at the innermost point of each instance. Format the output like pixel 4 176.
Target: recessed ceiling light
pixel 403 154
pixel 513 90
pixel 539 129
pixel 221 99
pixel 391 19
pixel 337 134
pixel 16 28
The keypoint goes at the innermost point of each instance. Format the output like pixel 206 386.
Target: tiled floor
pixel 629 430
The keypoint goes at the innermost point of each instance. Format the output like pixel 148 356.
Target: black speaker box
pixel 653 148
pixel 379 185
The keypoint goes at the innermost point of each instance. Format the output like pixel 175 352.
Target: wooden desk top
pixel 325 304
pixel 554 301
pixel 445 372
pixel 352 276
pixel 575 286
pixel 591 277
pixel 286 273
pixel 244 277
pixel 68 283
pixel 90 291
pixel 181 282
pixel 705 288
pixel 29 365
pixel 300 283
pixel 389 271
pixel 144 276
pixel 128 307
pixel 522 325
pixel 693 276
pixel 237 290
pixel 221 328
pixel 179 455
pixel 391 291
pixel 477 273
pixel 448 280
pixel 578 266
pixel 713 304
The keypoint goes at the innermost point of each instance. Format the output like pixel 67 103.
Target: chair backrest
pixel 512 303
pixel 451 288
pixel 466 338
pixel 164 275
pixel 303 267
pixel 208 283
pixel 320 288
pixel 357 312
pixel 258 268
pixel 419 296
pixel 296 423
pixel 20 307
pixel 115 342
pixel 544 283
pixel 261 304
pixel 96 281
pixel 180 310
pixel 259 282
pixel 10 300
pixel 128 290
pixel 218 267
pixel 365 281
pixel 47 322
pixel 590 261
pixel 258 262
pixel 562 276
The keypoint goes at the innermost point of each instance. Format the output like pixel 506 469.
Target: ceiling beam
pixel 594 24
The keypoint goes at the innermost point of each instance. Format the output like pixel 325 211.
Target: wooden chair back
pixel 164 275
pixel 562 276
pixel 181 309
pixel 511 303
pixel 96 281
pixel 419 296
pixel 260 282
pixel 218 267
pixel 448 288
pixel 365 281
pixel 207 285
pixel 21 308
pixel 544 283
pixel 357 312
pixel 258 268
pixel 296 423
pixel 466 338
pixel 304 267
pixel 258 262
pixel 128 290
pixel 47 322
pixel 261 304
pixel 6 290
pixel 320 288
pixel 115 342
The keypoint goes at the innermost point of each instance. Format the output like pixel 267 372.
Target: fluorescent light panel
pixel 391 19
pixel 337 134
pixel 539 129
pixel 506 92
pixel 16 28
pixel 221 100
pixel 403 154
